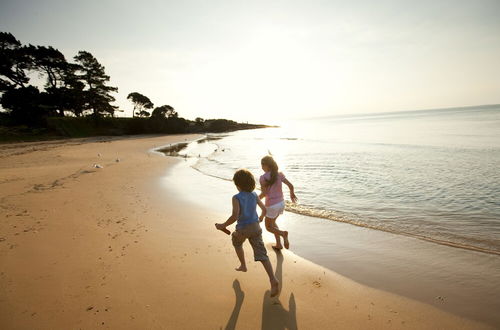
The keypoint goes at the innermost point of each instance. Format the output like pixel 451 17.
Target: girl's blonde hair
pixel 273 167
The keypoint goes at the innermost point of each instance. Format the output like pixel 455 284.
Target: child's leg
pixel 275 284
pixel 272 227
pixel 278 242
pixel 260 254
pixel 238 240
pixel 241 256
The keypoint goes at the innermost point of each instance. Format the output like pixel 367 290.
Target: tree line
pixel 75 88
pixel 70 88
pixel 76 97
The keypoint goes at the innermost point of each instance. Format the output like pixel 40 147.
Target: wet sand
pixel 113 246
pixel 459 281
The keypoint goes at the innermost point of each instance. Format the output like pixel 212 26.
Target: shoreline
pixel 173 151
pixel 395 232
pixel 460 281
pixel 112 247
pixel 311 212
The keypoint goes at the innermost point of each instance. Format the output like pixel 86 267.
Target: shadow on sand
pixel 274 315
pixel 240 295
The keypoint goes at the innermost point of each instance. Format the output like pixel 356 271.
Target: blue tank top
pixel 248 208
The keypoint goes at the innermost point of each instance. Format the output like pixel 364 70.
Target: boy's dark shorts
pixel 254 234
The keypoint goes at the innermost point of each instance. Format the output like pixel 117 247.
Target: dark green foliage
pixel 49 61
pixel 164 111
pixel 63 88
pixel 87 126
pixel 90 126
pixel 78 89
pixel 220 125
pixel 13 62
pixel 199 121
pixel 97 97
pixel 170 125
pixel 70 87
pixel 141 104
pixel 26 105
pixel 57 127
pixel 25 133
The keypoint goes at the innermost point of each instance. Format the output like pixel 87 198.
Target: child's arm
pixel 262 193
pixel 232 218
pixel 262 208
pixel 263 189
pixel 292 192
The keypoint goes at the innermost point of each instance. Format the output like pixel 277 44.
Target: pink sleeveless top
pixel 274 193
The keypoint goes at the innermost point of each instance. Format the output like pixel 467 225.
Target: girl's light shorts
pixel 274 210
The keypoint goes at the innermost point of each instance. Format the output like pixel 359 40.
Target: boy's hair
pixel 244 180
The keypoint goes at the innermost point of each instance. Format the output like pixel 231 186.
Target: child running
pixel 247 227
pixel 271 185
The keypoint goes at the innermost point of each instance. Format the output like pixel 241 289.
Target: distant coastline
pixel 67 127
pixel 77 101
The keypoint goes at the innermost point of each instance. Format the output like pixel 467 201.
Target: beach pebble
pixel 97 166
pixel 90 308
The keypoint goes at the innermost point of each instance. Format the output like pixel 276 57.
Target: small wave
pixel 208 174
pixel 333 216
pixel 211 137
pixel 213 160
pixel 172 149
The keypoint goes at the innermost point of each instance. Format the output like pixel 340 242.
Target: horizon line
pixel 363 114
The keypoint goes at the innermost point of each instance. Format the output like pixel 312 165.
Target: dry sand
pixel 86 248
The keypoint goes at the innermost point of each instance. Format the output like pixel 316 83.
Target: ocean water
pixel 433 174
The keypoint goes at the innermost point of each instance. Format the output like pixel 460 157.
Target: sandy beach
pixel 112 246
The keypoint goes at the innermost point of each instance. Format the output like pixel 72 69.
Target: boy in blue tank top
pixel 247 225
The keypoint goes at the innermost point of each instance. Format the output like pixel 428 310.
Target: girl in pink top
pixel 271 185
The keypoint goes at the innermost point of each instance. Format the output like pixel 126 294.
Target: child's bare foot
pixel 275 288
pixel 285 239
pixel 241 269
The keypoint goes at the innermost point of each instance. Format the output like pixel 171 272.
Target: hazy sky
pixel 265 60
